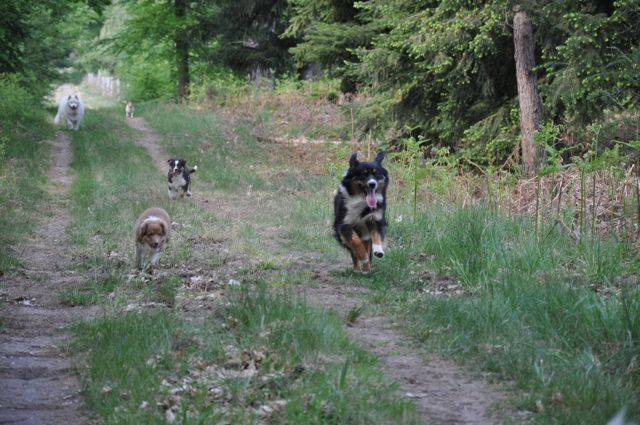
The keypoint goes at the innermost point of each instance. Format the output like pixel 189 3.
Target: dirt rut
pixel 442 392
pixel 36 376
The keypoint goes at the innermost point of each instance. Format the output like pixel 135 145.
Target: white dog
pixel 71 110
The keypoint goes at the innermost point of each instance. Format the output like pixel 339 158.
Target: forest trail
pixel 442 392
pixel 36 374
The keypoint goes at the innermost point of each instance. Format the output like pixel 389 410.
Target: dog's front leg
pixel 359 252
pixel 138 258
pixel 377 244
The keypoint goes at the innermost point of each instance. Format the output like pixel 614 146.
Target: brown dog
pixel 128 110
pixel 152 231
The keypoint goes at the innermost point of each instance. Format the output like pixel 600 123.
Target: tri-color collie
pixel 179 178
pixel 152 231
pixel 359 208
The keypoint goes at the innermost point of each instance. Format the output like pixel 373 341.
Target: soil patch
pixel 36 374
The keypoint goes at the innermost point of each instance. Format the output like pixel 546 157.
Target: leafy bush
pixel 147 79
pixel 16 104
pixel 220 87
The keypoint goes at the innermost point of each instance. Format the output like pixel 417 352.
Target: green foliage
pixel 491 140
pixel 219 86
pixel 413 167
pixel 147 79
pixel 34 34
pixel 445 69
pixel 442 64
pixel 22 129
pixel 250 35
pixel 590 57
pixel 548 136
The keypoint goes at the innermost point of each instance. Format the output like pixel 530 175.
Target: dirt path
pixel 443 393
pixel 36 376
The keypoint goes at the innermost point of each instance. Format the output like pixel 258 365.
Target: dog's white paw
pixel 378 251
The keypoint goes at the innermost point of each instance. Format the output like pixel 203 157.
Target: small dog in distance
pixel 128 110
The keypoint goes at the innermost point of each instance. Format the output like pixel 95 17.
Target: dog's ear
pixel 165 231
pixel 141 231
pixel 170 161
pixel 380 157
pixel 353 161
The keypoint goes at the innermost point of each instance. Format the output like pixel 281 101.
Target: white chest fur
pixel 355 206
pixel 177 181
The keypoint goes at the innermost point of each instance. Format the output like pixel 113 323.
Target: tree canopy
pixel 442 71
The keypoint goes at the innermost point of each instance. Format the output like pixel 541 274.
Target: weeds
pixel 23 130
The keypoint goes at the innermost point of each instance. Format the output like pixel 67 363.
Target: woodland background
pixel 439 72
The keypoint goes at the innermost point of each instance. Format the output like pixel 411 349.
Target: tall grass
pixel 24 155
pixel 557 316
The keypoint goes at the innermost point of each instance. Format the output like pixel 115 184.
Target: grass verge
pixel 556 316
pixel 24 154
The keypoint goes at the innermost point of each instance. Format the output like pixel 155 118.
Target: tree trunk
pixel 182 51
pixel 528 96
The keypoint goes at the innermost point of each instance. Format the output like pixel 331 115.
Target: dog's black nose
pixel 372 184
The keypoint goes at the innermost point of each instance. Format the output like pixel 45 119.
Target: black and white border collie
pixel 179 178
pixel 359 208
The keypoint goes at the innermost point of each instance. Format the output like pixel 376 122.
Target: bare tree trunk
pixel 528 96
pixel 182 52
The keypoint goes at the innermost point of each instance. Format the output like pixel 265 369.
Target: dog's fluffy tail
pixel 194 169
pixel 56 120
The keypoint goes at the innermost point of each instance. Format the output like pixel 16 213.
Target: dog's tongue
pixel 372 202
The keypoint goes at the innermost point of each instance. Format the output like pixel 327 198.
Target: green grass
pixel 143 357
pixel 92 292
pixel 127 355
pixel 24 155
pixel 290 352
pixel 554 318
pixel 551 314
pixel 557 317
pixel 115 182
pixel 196 135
